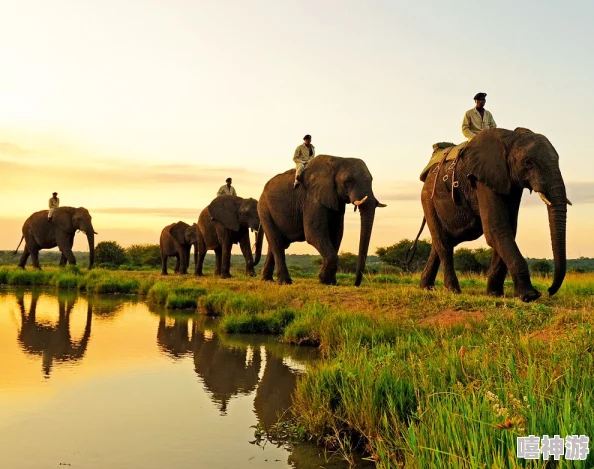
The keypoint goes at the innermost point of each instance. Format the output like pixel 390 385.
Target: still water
pixel 110 382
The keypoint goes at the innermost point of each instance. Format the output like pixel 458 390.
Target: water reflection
pixel 52 342
pixel 186 398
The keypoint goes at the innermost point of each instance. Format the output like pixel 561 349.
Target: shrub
pixel 395 255
pixel 541 267
pixel 110 252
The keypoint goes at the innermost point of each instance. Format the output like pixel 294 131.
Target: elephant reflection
pixel 52 342
pixel 226 371
pixel 175 339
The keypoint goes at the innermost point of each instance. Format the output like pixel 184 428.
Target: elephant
pixel 39 233
pixel 52 343
pixel 314 212
pixel 176 241
pixel 494 169
pixel 227 221
pixel 226 371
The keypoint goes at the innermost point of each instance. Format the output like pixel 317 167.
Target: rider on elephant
pixel 303 155
pixel 478 118
pixel 54 203
pixel 227 189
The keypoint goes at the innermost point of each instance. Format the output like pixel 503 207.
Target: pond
pixel 111 382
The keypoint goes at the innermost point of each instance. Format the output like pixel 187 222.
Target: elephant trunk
pixel 367 213
pixel 558 226
pixel 91 239
pixel 259 241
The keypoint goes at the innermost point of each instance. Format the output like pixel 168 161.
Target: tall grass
pixel 415 378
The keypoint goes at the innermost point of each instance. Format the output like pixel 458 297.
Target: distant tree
pixel 541 266
pixel 109 252
pixel 347 262
pixel 144 255
pixel 396 254
pixel 465 261
pixel 483 257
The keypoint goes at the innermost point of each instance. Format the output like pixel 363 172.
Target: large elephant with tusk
pixel 39 233
pixel 480 193
pixel 314 212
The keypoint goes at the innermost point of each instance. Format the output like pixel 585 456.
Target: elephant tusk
pixel 95 232
pixel 568 201
pixel 359 202
pixel 544 199
pixel 355 208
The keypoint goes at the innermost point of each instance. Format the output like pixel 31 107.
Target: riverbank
pixel 428 379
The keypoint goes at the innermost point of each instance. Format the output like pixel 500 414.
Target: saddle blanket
pixel 439 149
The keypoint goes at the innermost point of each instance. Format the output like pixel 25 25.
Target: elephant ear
pixel 319 181
pixel 486 160
pixel 191 233
pixel 523 130
pixel 62 218
pixel 178 232
pixel 225 210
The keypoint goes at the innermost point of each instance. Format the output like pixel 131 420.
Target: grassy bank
pixel 425 379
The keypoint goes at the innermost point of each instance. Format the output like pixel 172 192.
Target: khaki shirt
pixel 54 203
pixel 224 190
pixel 302 154
pixel 473 123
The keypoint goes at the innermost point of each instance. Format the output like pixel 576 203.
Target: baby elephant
pixel 176 241
pixel 227 221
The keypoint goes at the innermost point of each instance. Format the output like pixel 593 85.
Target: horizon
pixel 140 111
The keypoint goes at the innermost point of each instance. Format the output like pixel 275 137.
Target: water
pixel 108 382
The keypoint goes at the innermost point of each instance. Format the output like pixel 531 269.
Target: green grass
pixel 419 379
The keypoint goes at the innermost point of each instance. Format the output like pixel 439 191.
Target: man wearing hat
pixel 303 155
pixel 54 203
pixel 227 189
pixel 478 118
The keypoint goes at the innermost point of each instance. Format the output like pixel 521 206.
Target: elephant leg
pixel 499 229
pixel 268 269
pixel 177 263
pixel 63 260
pixel 164 258
pixel 246 250
pixel 226 259
pixel 24 257
pixel 35 257
pixel 496 275
pixel 318 234
pixel 430 271
pixel 277 245
pixel 201 247
pixel 218 260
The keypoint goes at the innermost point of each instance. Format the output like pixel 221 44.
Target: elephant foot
pixel 226 275
pixel 496 292
pixel 164 273
pixel 529 295
pixel 454 289
pixel 327 279
pixel 250 273
pixel 199 274
pixel 285 280
pixel 267 278
pixel 427 285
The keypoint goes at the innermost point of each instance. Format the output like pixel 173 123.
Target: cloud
pixel 176 212
pixel 12 150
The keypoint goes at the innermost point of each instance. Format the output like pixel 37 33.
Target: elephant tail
pixel 17 249
pixel 410 254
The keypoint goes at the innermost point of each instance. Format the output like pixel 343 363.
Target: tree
pixel 541 267
pixel 144 255
pixel 347 262
pixel 109 252
pixel 396 254
pixel 473 260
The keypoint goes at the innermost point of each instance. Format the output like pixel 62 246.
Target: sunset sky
pixel 139 109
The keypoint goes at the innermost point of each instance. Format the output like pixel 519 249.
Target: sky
pixel 139 110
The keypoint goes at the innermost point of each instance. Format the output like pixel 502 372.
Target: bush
pixel 472 260
pixel 395 255
pixel 145 255
pixel 110 252
pixel 541 267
